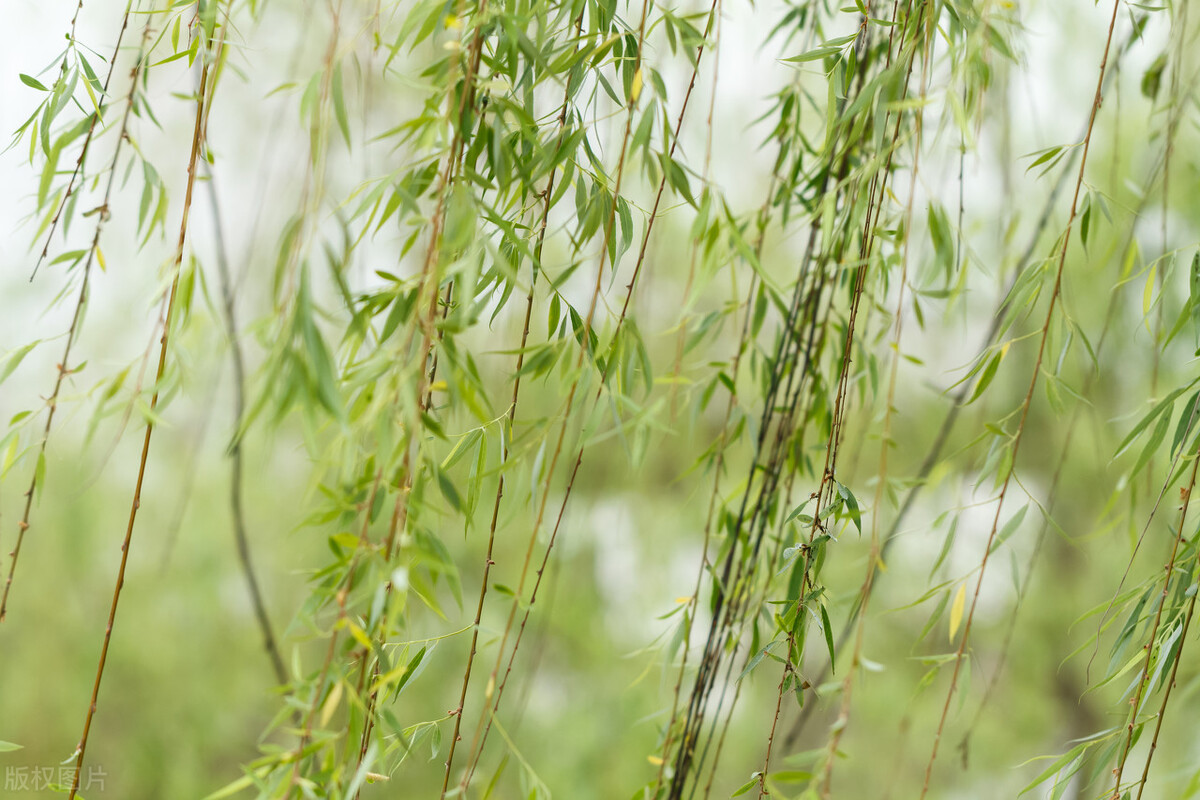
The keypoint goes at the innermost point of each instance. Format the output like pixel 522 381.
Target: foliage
pixel 523 277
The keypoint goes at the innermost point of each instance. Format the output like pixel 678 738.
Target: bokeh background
pixel 189 692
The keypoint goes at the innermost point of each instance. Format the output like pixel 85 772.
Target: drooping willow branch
pixel 63 367
pixel 69 192
pixel 874 555
pixel 1024 409
pixel 237 511
pixel 731 599
pixel 547 196
pixel 204 96
pixel 492 696
pixel 958 399
pixel 604 373
pixel 429 284
pixel 1052 493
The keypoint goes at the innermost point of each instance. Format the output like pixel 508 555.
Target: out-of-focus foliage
pixel 516 399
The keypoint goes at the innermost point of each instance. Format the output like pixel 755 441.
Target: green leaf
pixel 1152 444
pixel 754 661
pixel 229 790
pixel 1187 421
pixel 1152 77
pixel 460 220
pixel 989 372
pixel 943 240
pixel 851 504
pixel 1058 764
pixel 1194 291
pixel 1009 528
pixel 449 491
pixel 813 55
pixel 1162 405
pixel 339 104
pixel 14 360
pixel 747 786
pixel 1046 155
pixel 828 629
pixel 32 82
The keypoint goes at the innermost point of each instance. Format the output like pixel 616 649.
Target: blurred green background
pixel 188 691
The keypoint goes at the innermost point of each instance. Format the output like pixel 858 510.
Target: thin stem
pixel 203 101
pixel 1024 410
pixel 547 195
pixel 81 300
pixel 237 512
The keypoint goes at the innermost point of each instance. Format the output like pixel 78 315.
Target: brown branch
pixel 236 510
pixel 429 284
pixel 77 315
pixel 1024 410
pixel 203 101
pixel 584 348
pixel 547 196
pixel 1162 709
pixel 1136 701
pixel 87 140
pixel 958 399
pixel 874 556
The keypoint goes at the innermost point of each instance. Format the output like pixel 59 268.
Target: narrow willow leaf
pixel 1187 422
pixel 852 506
pixel 15 359
pixel 339 104
pixel 449 491
pixel 947 544
pixel 943 240
pixel 1050 154
pixel 1009 529
pixel 1161 406
pixel 1057 765
pixel 1194 291
pixel 32 82
pixel 1152 444
pixel 828 629
pixel 1148 294
pixel 236 787
pixel 956 609
pixel 747 786
pixel 813 55
pixel 989 372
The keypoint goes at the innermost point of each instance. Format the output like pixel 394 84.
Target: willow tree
pixel 611 398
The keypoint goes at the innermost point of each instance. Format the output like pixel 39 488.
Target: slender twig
pixel 64 363
pixel 958 399
pixel 547 196
pixel 236 510
pixel 203 102
pixel 1152 646
pixel 87 139
pixel 603 377
pixel 1024 410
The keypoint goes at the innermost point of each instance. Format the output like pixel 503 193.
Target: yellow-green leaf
pixel 956 610
pixel 1148 295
